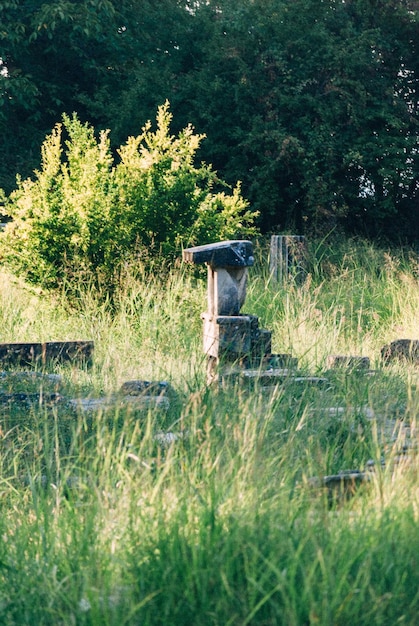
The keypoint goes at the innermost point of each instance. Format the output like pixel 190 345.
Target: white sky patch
pixel 3 69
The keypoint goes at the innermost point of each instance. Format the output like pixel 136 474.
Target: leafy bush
pixel 84 215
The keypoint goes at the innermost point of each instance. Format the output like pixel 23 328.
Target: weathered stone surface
pixel 20 354
pixel 346 478
pixel 145 402
pixel 16 380
pixel 146 387
pixel 254 377
pixel 68 351
pixel 227 335
pixel 29 400
pixel 231 253
pixel 341 486
pixel 401 350
pixel 39 354
pixel 232 337
pixel 282 360
pixel 135 394
pixel 87 405
pixel 340 411
pixel 261 344
pixel 287 260
pixel 314 381
pixel 165 440
pixel 138 403
pixel 226 290
pixel 335 361
pixel 269 378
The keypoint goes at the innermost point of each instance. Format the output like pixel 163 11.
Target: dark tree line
pixel 312 104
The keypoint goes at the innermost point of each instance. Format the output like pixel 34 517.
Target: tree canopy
pixel 312 104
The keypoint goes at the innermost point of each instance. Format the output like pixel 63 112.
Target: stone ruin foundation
pixel 233 342
pixel 236 349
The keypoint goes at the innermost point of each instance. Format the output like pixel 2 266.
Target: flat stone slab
pixel 340 411
pixel 135 394
pixel 139 403
pixel 13 380
pixel 166 439
pixel 269 378
pixel 341 486
pixel 231 253
pixel 319 381
pixel 146 387
pixel 29 400
pixel 346 478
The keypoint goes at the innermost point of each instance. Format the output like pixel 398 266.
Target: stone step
pixel 268 378
pixel 137 403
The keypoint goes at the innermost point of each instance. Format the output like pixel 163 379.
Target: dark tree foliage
pixel 313 104
pixel 64 56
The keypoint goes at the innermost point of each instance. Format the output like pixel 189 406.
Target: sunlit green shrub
pixel 84 214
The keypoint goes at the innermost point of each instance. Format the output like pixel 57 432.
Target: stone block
pixel 337 361
pixel 309 381
pixel 145 387
pixel 342 486
pixel 227 335
pixel 282 360
pixel 401 350
pixel 234 253
pixel 165 440
pixel 21 354
pixel 29 400
pixel 41 354
pixel 264 378
pixel 141 403
pixel 80 352
pixel 134 403
pixel 261 343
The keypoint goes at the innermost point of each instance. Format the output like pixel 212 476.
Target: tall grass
pixel 103 523
pixel 355 299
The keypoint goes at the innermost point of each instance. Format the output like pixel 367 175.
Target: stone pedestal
pixel 229 336
pixel 226 335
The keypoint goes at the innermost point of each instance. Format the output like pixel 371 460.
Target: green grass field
pixel 102 523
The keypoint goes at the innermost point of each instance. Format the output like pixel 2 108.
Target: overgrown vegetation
pixel 84 215
pixel 102 523
pixel 311 103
